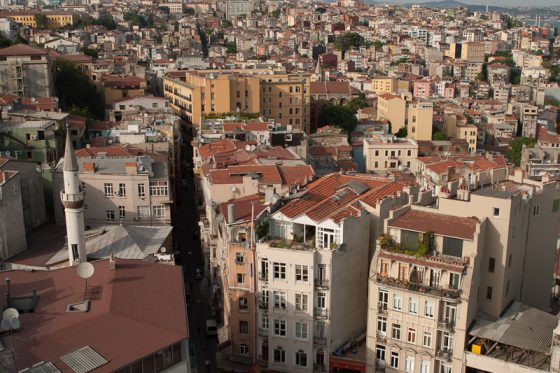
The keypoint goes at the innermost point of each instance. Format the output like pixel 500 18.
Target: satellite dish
pixel 248 147
pixel 10 313
pixel 85 270
pixel 6 325
pixel 163 249
pixel 15 324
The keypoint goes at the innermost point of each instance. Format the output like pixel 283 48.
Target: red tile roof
pixel 330 87
pixel 22 50
pixel 440 224
pixel 111 151
pixel 140 311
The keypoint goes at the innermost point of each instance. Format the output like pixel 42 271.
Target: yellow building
pixel 393 109
pixel 383 84
pixel 273 95
pixel 55 20
pixel 420 115
pixel 470 51
pixel 455 126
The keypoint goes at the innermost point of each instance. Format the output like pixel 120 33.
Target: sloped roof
pixel 440 224
pixel 22 50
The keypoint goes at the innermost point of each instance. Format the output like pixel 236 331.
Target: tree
pixel 74 89
pixel 402 132
pixel 348 40
pixel 275 13
pixel 339 116
pixel 135 19
pixel 41 21
pixel 357 103
pixel 226 23
pixel 189 11
pixel 93 52
pixel 5 42
pixel 105 20
pixel 231 47
pixel 516 146
pixel 377 44
pixel 438 136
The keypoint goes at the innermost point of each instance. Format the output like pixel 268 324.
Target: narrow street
pixel 190 257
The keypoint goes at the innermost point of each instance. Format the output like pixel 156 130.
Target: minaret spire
pixel 72 198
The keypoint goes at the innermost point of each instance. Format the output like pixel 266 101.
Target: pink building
pixel 422 89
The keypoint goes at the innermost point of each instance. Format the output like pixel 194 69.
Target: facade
pixel 390 153
pixel 12 227
pixel 419 122
pixel 284 98
pixel 55 20
pixel 392 108
pixel 383 84
pixel 25 71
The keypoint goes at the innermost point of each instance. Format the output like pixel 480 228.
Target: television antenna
pixel 85 270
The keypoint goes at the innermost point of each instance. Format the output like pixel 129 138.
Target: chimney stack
pixel 231 213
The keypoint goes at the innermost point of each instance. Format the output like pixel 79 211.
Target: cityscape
pixel 344 186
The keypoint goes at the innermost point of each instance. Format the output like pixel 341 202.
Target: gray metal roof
pixel 124 242
pixel 84 360
pixel 43 368
pixel 521 327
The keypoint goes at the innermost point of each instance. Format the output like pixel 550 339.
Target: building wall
pixel 34 73
pixel 12 222
pixel 393 110
pixel 380 155
pixel 383 85
pixel 420 120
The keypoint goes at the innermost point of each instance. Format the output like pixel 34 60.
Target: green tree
pixel 41 21
pixel 438 136
pixel 226 23
pixel 275 13
pixel 93 52
pixel 231 47
pixel 377 44
pixel 5 42
pixel 74 89
pixel 339 116
pixel 348 40
pixel 357 103
pixel 402 132
pixel 189 11
pixel 516 146
pixel 135 19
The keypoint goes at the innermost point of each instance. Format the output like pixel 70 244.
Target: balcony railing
pixel 382 307
pixel 322 283
pixel 262 304
pixel 419 287
pixel 446 324
pixel 381 337
pixel 320 341
pixel 319 368
pixel 263 332
pixel 263 276
pixel 321 313
pixel 445 353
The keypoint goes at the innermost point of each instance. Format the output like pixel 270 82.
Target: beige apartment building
pixel 392 108
pixel 456 127
pixel 121 186
pixel 383 84
pixel 390 153
pixel 275 95
pixel 437 270
pixel 419 121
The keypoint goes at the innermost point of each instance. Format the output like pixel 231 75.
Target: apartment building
pixel 437 270
pixel 528 115
pixel 122 185
pixel 383 84
pixel 392 108
pixel 276 95
pixel 12 228
pixel 316 246
pixel 456 127
pixel 25 72
pixel 55 20
pixel 390 153
pixel 419 120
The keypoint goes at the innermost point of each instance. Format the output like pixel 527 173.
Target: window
pixel 536 210
pixel 427 339
pixel 435 276
pixel 243 327
pixel 454 280
pixel 409 239
pixel 489 292
pixel 301 358
pixel 447 344
pixel 409 364
pixel 425 366
pixel 491 265
pixel 239 258
pixel 396 331
pixel 158 188
pixel 279 270
pixel 429 309
pixel 158 211
pixel 301 330
pixel 496 211
pixel 122 212
pixel 382 325
pixel 264 321
pixel 244 349
pixel 385 268
pixel 143 212
pixel 280 299
pixel 279 355
pixel 556 205
pixel 452 247
pixel 108 189
pixel 243 303
pixel 302 302
pixel 110 215
pixel 280 328
pixel 321 300
pixel 411 336
pixel 122 190
pixel 380 353
pixel 302 273
pixel 403 272
pixel 383 299
pixel 394 359
pixel 397 302
pixel 445 368
pixel 240 279
pixel 413 305
pixel 141 191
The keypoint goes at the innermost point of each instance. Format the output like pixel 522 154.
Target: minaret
pixel 72 198
pixel 319 73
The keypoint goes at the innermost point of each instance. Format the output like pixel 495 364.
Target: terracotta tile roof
pixel 443 166
pixel 330 87
pixel 22 50
pixel 243 210
pixel 256 126
pixel 76 121
pixel 111 151
pixel 101 125
pixel 440 224
pixel 388 96
pixel 545 136
pixel 121 326
pixel 296 174
pixel 7 99
pixel 122 81
pixel 220 146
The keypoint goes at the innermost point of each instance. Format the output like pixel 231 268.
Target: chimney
pixel 112 263
pixel 231 213
pixel 130 168
pixel 268 194
pixel 89 167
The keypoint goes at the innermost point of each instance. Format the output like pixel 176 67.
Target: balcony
pixel 262 304
pixel 263 332
pixel 381 337
pixel 319 368
pixel 321 313
pixel 446 324
pixel 444 354
pixel 451 294
pixel 382 308
pixel 262 361
pixel 239 261
pixel 263 277
pixel 320 341
pixel 321 283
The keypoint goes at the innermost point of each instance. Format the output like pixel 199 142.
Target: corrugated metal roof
pixel 43 368
pixel 521 326
pixel 84 360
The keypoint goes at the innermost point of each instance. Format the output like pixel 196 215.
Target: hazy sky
pixel 504 3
